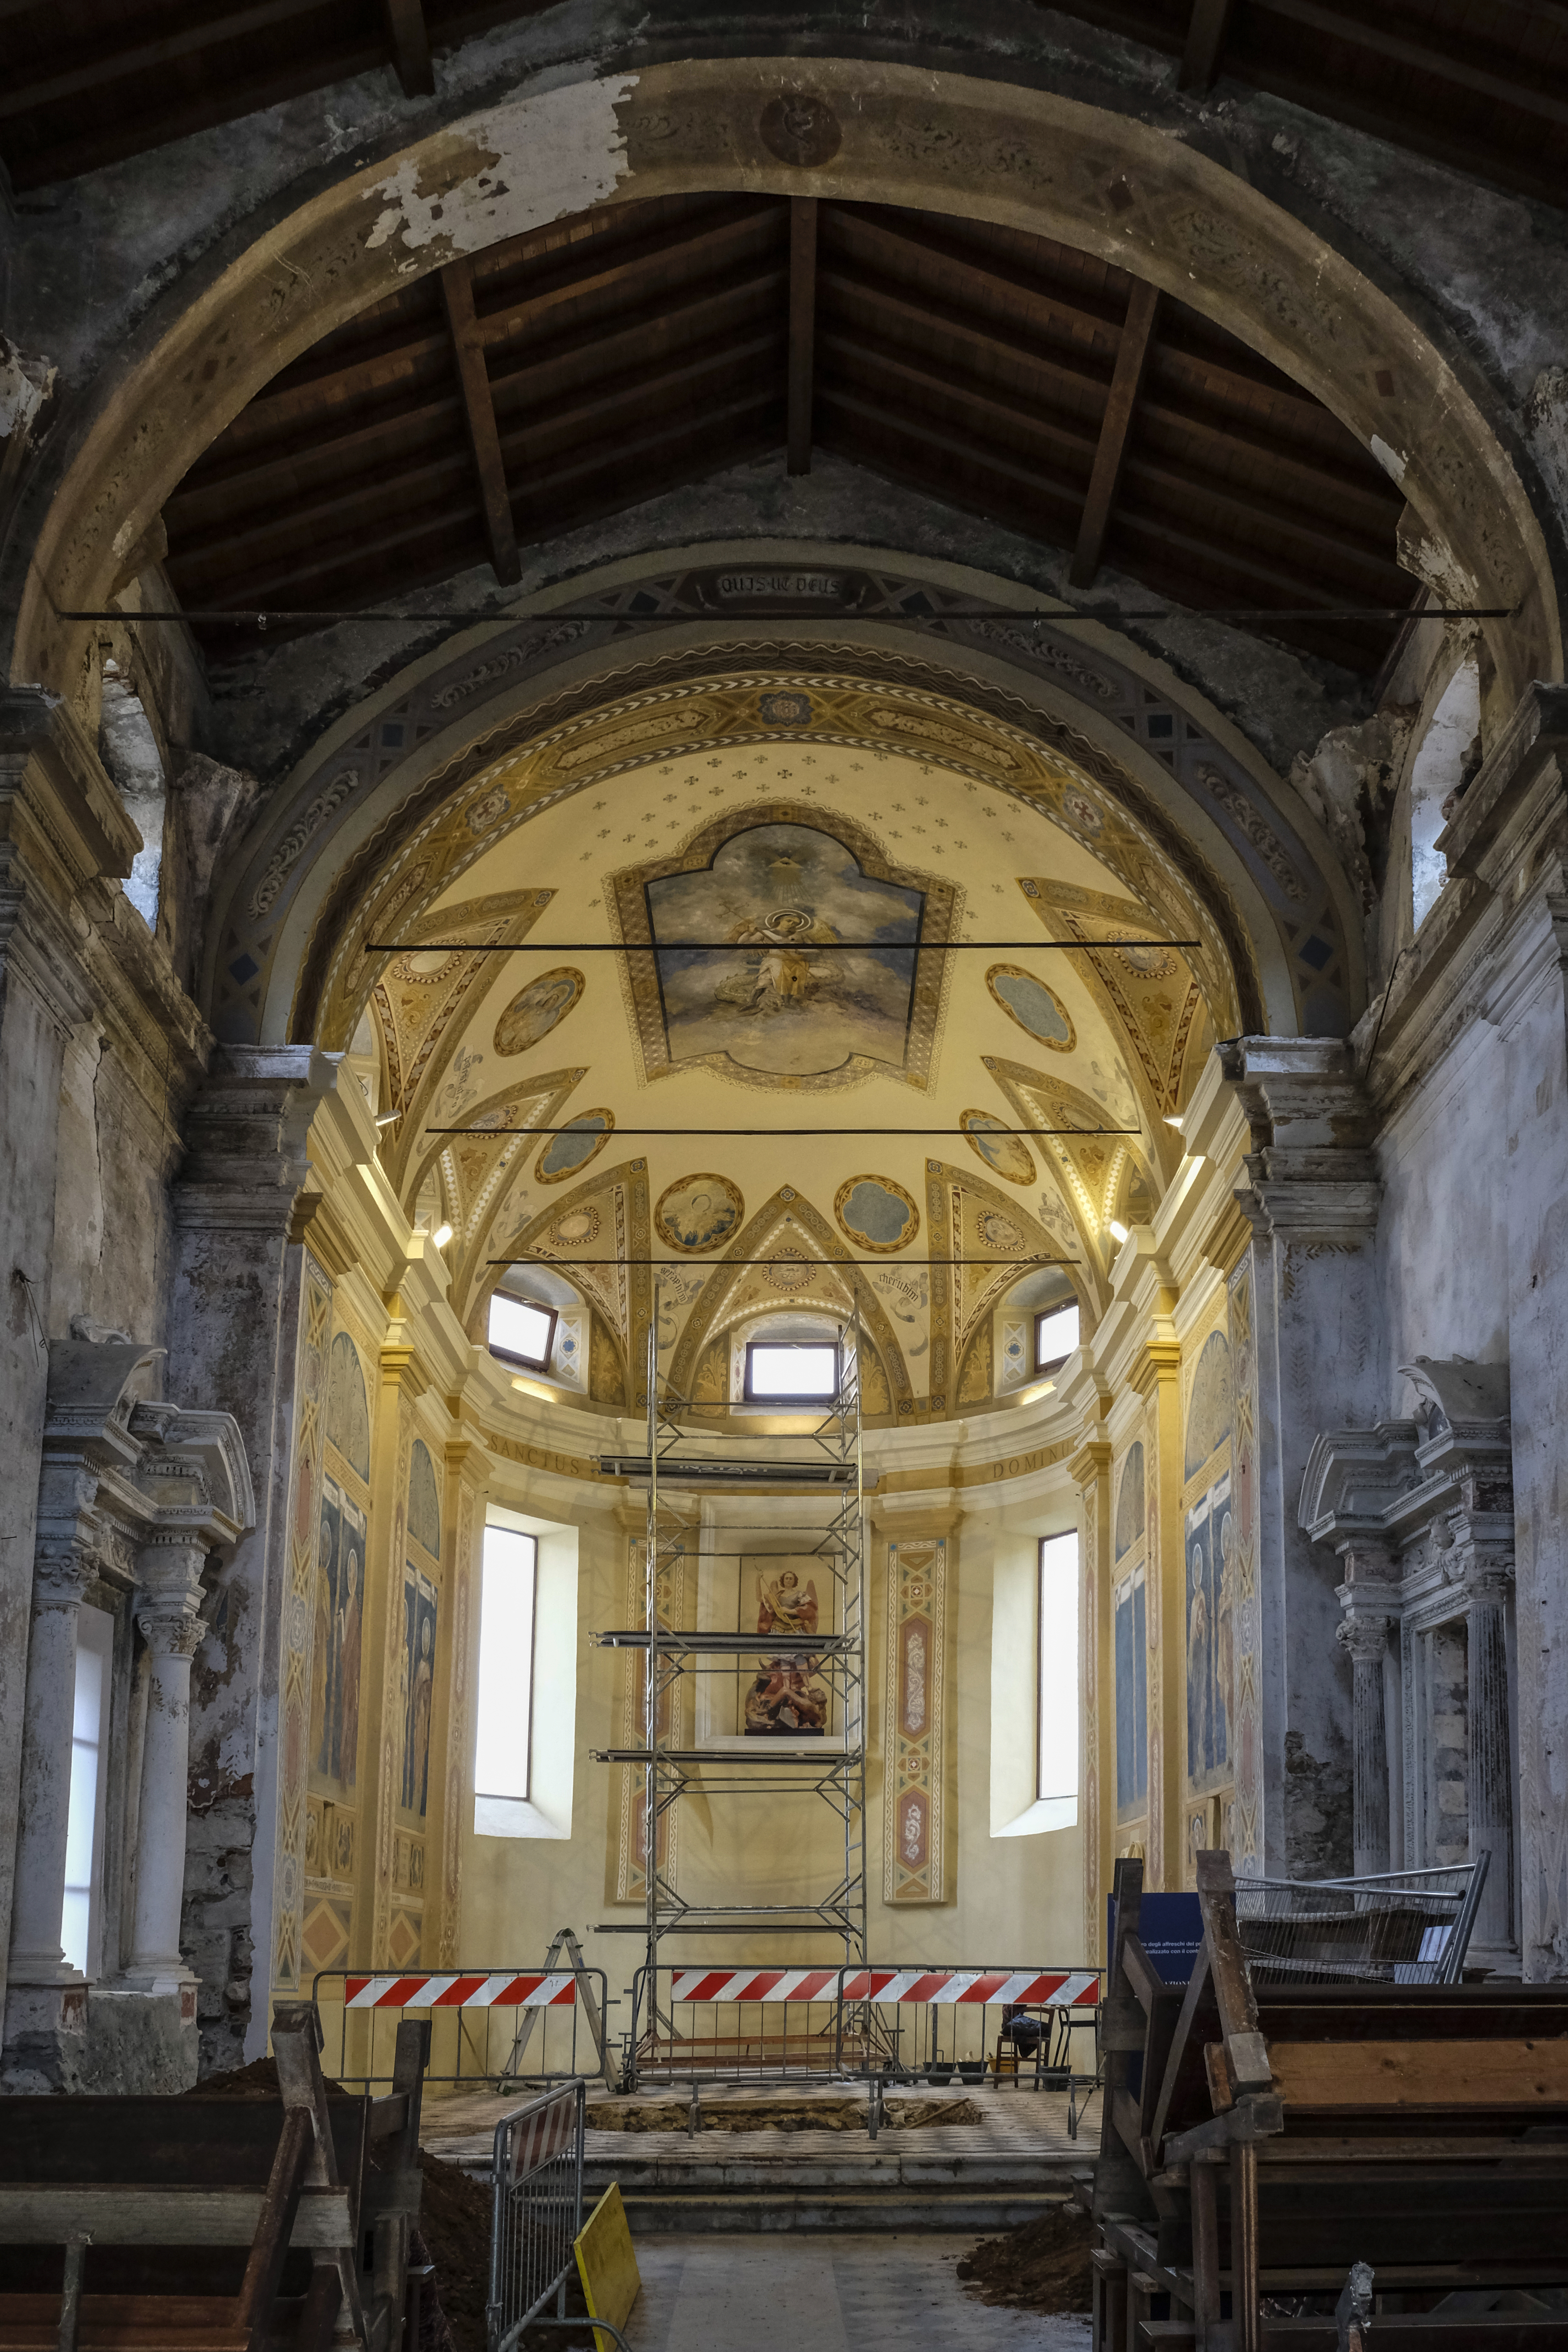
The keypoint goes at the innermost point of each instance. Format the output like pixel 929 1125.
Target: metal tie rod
pixel 744 946
pixel 828 1265
pixel 258 616
pixel 707 1133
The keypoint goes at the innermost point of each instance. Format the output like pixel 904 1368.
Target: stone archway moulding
pixel 1027 158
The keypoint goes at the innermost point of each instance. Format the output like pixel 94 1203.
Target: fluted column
pixel 61 1575
pixel 1487 1585
pixel 167 1620
pixel 1365 1639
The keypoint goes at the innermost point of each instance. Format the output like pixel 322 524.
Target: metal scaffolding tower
pixel 821 1463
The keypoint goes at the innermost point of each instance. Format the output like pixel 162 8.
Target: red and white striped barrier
pixel 505 1990
pixel 1058 1988
pixel 544 2132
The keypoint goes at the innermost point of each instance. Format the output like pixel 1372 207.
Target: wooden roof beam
pixel 1110 453
pixel 409 41
pixel 478 408
pixel 1206 30
pixel 801 330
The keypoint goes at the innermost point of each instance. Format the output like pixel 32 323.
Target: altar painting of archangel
pixel 788 1697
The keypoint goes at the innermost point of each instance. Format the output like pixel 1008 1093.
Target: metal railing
pixel 491 2026
pixel 1403 1926
pixel 902 2023
pixel 536 2210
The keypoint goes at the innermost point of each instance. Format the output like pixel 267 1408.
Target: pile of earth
pixel 1042 2266
pixel 777 2115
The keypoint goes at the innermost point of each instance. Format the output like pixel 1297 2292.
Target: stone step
pixel 670 2212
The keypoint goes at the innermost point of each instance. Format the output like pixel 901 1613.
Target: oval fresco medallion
pixel 535 1010
pixel 1034 1006
pixel 1149 962
pixel 876 1212
pixel 1002 1152
pixel 574 1146
pixel 789 1271
pixel 577 1226
pixel 698 1212
pixel 999 1233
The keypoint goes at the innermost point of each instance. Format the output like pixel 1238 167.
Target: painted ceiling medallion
pixel 785 709
pixel 999 1233
pixel 1032 1005
pixel 578 1142
pixel 875 1214
pixel 698 1212
pixel 535 1010
pixel 577 1226
pixel 790 1270
pixel 1001 1151
pixel 786 953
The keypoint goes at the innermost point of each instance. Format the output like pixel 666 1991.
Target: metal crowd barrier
pixel 487 2026
pixel 895 2023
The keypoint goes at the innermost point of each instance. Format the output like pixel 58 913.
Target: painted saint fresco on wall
pixel 776 896
pixel 1131 1632
pixel 335 1662
pixel 788 1698
pixel 348 1412
pixel 1208 1405
pixel 419 1678
pixel 1211 1634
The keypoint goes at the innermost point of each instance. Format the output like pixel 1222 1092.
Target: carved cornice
pixel 1229 1239
pixel 1156 1360
pixel 314 1219
pixel 401 1369
pixel 1090 1463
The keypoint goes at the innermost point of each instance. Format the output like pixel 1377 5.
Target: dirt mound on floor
pixel 777 2115
pixel 1044 2266
pixel 256 2081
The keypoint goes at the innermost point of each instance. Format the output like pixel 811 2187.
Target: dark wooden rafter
pixel 1204 45
pixel 1110 453
pixel 585 366
pixel 802 330
pixel 479 410
pixel 409 41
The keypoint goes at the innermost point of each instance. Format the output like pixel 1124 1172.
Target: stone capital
pixel 1365 1637
pixel 1483 1573
pixel 62 1570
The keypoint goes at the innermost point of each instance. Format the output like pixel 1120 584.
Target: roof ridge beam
pixel 1115 431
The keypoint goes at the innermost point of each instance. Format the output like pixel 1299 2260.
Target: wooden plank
pixel 275 2227
pixel 410 45
pixel 1142 1974
pixel 1243 2044
pixel 874 359
pixel 801 330
pixel 1370 2076
pixel 1257 2118
pixel 1364 31
pixel 131 2216
pixel 1206 30
pixel 478 408
pixel 1198 1994
pixel 1110 453
pixel 22 96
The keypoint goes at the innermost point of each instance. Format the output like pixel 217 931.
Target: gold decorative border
pixel 987 1123
pixel 915 1768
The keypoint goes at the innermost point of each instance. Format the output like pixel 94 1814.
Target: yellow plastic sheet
pixel 607 2265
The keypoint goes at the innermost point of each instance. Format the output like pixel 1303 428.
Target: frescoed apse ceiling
pixel 701 898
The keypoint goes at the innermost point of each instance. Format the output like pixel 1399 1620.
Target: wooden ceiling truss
pixel 589 366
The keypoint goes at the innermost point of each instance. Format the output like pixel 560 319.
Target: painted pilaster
pixel 467 1483
pixel 1157 1377
pixel 1089 1470
pixel 403 1382
pixel 1312 1202
pixel 920 1762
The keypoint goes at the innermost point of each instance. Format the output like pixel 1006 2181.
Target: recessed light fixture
pixel 441 1236
pixel 1117 1230
pixel 389 1118
pixel 1173 1118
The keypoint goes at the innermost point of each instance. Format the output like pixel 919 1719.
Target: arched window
pixel 536 1322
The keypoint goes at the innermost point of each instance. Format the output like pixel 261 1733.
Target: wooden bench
pixel 222 2224
pixel 1255 2143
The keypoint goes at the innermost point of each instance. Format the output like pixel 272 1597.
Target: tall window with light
pixel 504 1740
pixel 1057 1749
